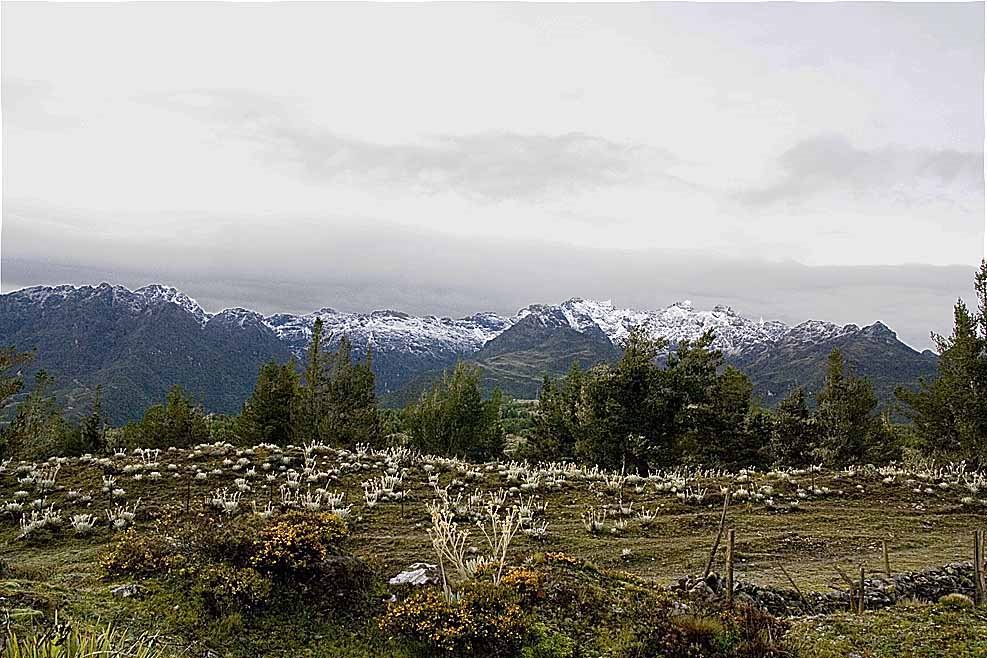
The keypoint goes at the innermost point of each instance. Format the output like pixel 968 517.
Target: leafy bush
pixel 232 541
pixel 233 567
pixel 956 601
pixel 572 590
pixel 527 584
pixel 139 554
pixel 745 632
pixel 224 589
pixel 298 544
pixel 484 621
pixel 549 644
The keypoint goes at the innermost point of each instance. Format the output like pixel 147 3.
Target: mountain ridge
pixel 679 320
pixel 157 323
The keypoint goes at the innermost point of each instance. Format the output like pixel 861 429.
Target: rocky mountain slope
pixel 138 343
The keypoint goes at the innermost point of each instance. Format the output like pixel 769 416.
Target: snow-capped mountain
pixel 137 301
pixel 153 336
pixel 675 323
pixel 391 330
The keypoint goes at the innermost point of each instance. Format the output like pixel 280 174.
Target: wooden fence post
pixel 983 562
pixel 978 578
pixel 852 596
pixel 188 495
pixel 719 534
pixel 860 607
pixel 808 606
pixel 730 545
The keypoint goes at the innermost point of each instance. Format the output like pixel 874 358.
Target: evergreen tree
pixel 338 399
pixel 92 433
pixel 351 414
pixel 313 392
pixel 849 431
pixel 626 411
pixel 556 422
pixel 178 422
pixel 227 429
pixel 792 440
pixel 719 426
pixel 38 430
pixel 453 419
pixel 950 412
pixel 636 415
pixel 271 415
pixel 11 383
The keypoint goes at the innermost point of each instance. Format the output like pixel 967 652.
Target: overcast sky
pixel 791 160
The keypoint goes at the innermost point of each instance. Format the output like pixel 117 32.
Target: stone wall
pixel 879 591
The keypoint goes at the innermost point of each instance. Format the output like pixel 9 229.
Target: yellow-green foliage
pixel 905 630
pixel 298 542
pixel 485 620
pixel 135 553
pixel 526 583
pixel 226 589
pixel 659 629
pixel 64 641
pixel 956 601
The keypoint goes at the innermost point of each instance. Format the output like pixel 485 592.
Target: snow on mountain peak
pixel 817 331
pixel 137 300
pixel 675 323
pixel 390 330
pixel 241 317
pixel 42 294
pixel 156 293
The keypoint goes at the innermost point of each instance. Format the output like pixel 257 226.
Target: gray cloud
pixel 29 103
pixel 830 164
pixel 260 198
pixel 358 269
pixel 490 166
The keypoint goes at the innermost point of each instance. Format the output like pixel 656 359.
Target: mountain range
pixel 138 343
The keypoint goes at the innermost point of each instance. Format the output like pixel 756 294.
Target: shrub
pixel 224 589
pixel 956 601
pixel 745 632
pixel 232 542
pixel 696 630
pixel 134 554
pixel 484 621
pixel 575 592
pixel 233 567
pixel 298 544
pixel 548 644
pixel 754 632
pixel 527 584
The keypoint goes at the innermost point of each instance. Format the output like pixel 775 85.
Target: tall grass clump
pixel 62 640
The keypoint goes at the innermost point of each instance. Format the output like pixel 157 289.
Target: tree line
pixel 642 412
pixel 637 415
pixel 330 398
